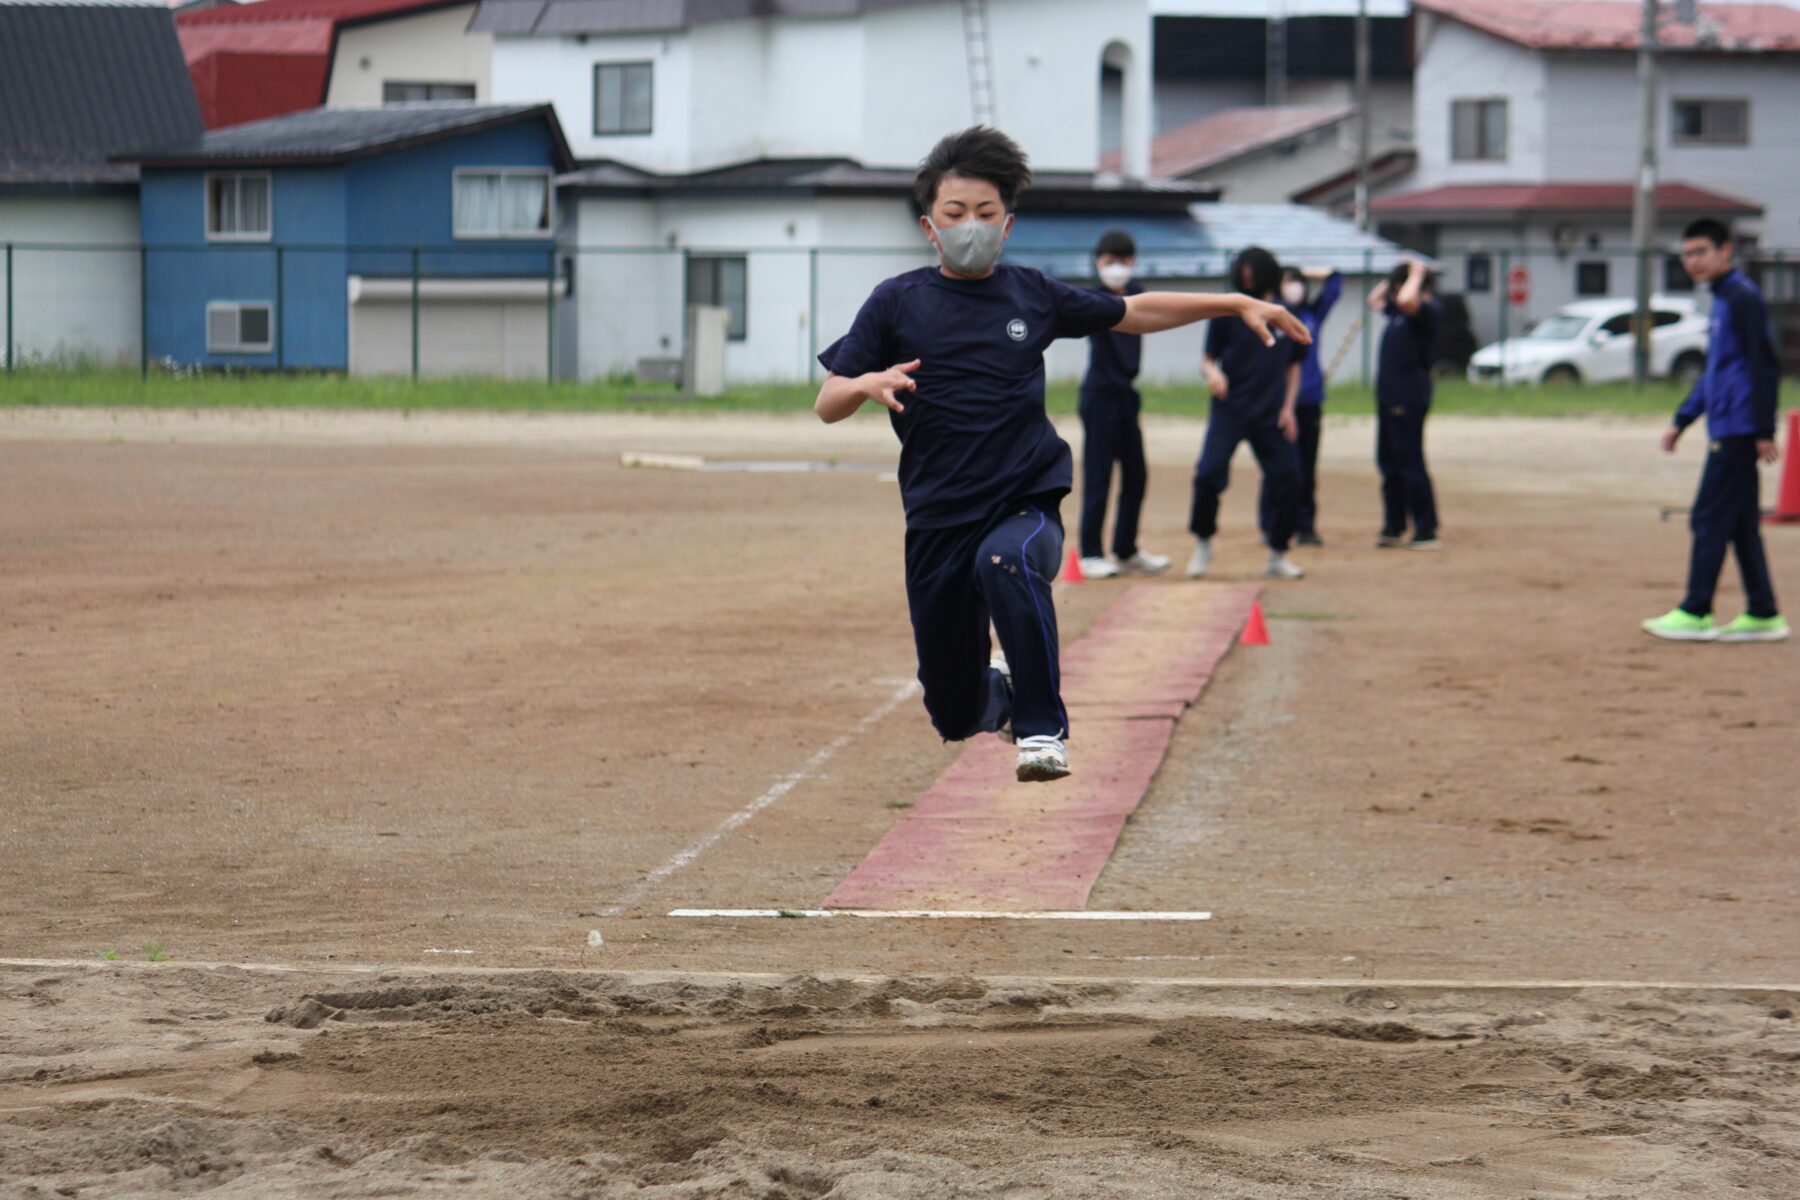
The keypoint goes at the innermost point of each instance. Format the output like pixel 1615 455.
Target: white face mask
pixel 970 247
pixel 1293 291
pixel 1115 275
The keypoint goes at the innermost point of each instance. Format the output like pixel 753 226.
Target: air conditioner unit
pixel 240 327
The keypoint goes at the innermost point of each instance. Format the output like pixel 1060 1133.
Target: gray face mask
pixel 970 247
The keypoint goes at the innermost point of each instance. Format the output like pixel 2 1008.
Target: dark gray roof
pixel 82 82
pixel 1049 189
pixel 553 17
pixel 325 135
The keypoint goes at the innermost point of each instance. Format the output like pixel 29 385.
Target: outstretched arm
pixel 1412 292
pixel 841 395
pixel 1153 312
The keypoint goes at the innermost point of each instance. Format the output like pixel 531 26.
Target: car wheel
pixel 1561 375
pixel 1687 368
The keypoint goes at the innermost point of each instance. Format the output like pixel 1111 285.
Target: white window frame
pixel 212 235
pixel 236 307
pixel 1505 149
pixel 1707 137
pixel 428 85
pixel 456 230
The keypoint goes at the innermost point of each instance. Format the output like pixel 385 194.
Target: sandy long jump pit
pixel 363 723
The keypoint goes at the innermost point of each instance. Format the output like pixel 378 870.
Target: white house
pixel 791 247
pixel 423 53
pixel 672 86
pixel 1526 120
pixel 79 83
pixel 758 154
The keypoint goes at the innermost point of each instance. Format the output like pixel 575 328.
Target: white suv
pixel 1590 342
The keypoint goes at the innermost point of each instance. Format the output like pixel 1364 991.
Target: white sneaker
pixel 1200 559
pixel 1098 568
pixel 1145 563
pixel 1282 567
pixel 1042 758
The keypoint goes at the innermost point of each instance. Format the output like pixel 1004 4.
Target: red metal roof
pixel 250 61
pixel 1613 24
pixel 1232 132
pixel 1559 197
pixel 299 10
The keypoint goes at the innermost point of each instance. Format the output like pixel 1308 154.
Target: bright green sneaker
pixel 1679 625
pixel 1755 629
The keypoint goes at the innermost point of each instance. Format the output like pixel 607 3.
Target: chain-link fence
pixel 606 312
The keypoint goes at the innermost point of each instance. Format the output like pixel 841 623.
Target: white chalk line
pixel 926 914
pixel 782 787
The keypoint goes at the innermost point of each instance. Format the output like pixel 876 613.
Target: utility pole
pixel 1362 115
pixel 1275 55
pixel 1643 208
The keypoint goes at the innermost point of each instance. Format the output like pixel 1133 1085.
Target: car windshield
pixel 1559 327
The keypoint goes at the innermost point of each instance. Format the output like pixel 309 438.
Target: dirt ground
pixel 389 712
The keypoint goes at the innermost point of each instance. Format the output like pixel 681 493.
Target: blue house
pixel 417 236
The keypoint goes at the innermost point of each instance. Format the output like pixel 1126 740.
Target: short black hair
pixel 1710 228
pixel 1292 275
pixel 1117 243
pixel 1265 272
pixel 978 152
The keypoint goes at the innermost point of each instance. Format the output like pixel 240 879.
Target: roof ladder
pixel 981 60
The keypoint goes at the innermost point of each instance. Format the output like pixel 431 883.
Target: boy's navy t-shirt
pixel 974 435
pixel 1408 348
pixel 1113 358
pixel 1255 374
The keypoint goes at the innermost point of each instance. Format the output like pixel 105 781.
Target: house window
pixel 622 93
pixel 1675 276
pixel 237 206
pixel 1711 122
pixel 1478 274
pixel 1590 278
pixel 722 281
pixel 1478 130
pixel 395 92
pixel 497 203
pixel 239 327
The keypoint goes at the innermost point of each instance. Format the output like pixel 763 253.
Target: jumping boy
pixel 1312 309
pixel 982 471
pixel 1109 429
pixel 1402 402
pixel 1737 394
pixel 1254 385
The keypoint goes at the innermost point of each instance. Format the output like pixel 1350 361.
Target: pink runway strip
pixel 978 840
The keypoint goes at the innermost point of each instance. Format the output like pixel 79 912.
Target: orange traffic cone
pixel 1256 631
pixel 1787 501
pixel 1072 569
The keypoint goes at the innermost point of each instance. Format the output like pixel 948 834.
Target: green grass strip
pixel 36 387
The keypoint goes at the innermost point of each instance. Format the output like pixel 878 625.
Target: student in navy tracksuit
pixel 1402 402
pixel 1109 429
pixel 1254 387
pixel 982 472
pixel 1737 394
pixel 1309 404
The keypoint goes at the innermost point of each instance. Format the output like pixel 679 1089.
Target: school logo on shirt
pixel 1015 329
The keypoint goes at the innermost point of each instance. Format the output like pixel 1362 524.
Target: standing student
pixel 1402 402
pixel 1736 392
pixel 1254 388
pixel 1312 308
pixel 1109 429
pixel 982 472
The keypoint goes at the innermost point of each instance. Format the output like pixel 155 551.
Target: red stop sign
pixel 1518 285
